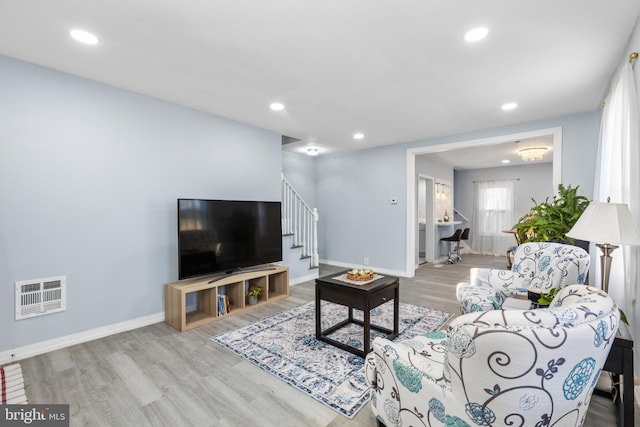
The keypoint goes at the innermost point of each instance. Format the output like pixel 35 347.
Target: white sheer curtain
pixel 618 177
pixel 493 213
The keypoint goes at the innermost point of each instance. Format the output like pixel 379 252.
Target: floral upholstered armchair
pixel 537 266
pixel 498 368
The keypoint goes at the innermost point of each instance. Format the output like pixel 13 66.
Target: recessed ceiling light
pixel 510 106
pixel 506 161
pixel 277 106
pixel 358 135
pixel 312 151
pixel 476 34
pixel 83 36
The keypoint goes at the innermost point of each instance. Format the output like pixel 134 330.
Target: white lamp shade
pixel 610 223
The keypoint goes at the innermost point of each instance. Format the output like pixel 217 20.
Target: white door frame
pixel 429 252
pixel 412 178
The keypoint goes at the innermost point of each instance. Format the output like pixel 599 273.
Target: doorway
pixel 412 179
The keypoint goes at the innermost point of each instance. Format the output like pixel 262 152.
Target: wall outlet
pixel 365 261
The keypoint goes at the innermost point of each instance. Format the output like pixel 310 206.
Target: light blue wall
pixel 428 167
pixel 89 177
pixel 533 181
pixel 299 169
pixel 353 189
pixel 357 220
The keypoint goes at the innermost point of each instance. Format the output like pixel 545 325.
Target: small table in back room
pixel 359 297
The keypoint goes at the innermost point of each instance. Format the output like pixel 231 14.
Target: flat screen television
pixel 217 236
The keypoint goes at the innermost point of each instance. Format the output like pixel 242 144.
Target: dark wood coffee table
pixel 360 297
pixel 620 362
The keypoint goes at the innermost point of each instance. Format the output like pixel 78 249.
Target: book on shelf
pixel 222 309
pixel 224 306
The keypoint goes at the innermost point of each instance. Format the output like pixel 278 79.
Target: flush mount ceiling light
pixel 358 135
pixel 509 106
pixel 312 151
pixel 532 154
pixel 505 161
pixel 276 106
pixel 83 36
pixel 476 34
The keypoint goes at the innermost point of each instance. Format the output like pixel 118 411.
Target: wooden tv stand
pixel 273 280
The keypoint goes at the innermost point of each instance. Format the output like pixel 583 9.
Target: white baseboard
pixel 306 278
pixel 374 268
pixel 77 338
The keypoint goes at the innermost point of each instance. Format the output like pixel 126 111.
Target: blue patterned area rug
pixel 285 345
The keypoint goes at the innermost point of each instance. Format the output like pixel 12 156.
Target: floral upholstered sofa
pixel 537 266
pixel 498 368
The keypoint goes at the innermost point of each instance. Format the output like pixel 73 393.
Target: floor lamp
pixel 609 225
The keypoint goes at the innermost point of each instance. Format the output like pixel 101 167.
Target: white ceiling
pixel 491 156
pixel 395 70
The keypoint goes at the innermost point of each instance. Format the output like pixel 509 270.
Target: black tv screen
pixel 226 235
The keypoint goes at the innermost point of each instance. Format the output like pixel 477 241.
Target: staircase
pixel 300 234
pixel 464 245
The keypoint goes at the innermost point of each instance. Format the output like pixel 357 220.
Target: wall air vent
pixel 40 296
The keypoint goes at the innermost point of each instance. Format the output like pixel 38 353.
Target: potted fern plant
pixel 253 294
pixel 543 300
pixel 550 221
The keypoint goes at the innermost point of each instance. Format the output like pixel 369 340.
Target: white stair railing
pixel 300 221
pixel 456 211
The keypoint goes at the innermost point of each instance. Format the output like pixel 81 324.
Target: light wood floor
pixel 156 376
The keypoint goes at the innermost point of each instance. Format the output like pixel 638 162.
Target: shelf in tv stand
pixel 273 281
